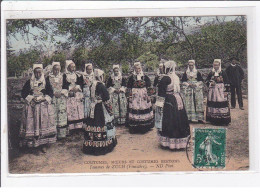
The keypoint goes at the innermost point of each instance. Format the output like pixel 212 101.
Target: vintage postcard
pixel 162 93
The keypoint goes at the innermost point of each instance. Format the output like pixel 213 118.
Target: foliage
pixel 125 67
pixel 149 60
pixel 46 61
pixel 108 41
pixel 60 57
pixel 18 64
pixel 80 57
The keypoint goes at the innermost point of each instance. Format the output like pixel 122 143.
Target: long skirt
pixel 75 111
pixel 140 114
pixel 99 132
pixel 218 111
pixel 60 107
pixel 38 125
pixel 174 131
pixel 86 94
pixel 193 100
pixel 119 103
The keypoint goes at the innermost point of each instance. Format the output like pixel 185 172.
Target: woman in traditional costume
pixel 99 131
pixel 59 100
pixel 38 123
pixel 218 111
pixel 73 82
pixel 192 92
pixel 140 116
pixel 116 85
pixel 88 78
pixel 171 118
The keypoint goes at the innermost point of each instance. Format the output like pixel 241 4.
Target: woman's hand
pixel 193 85
pixel 130 99
pixel 75 90
pixel 116 91
pixel 71 94
pixel 213 83
pixel 57 94
pixel 35 100
pixel 219 79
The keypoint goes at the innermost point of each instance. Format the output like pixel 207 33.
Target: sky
pixel 18 43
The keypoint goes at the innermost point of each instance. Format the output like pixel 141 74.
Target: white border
pixel 111 9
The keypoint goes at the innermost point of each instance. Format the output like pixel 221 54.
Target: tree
pixel 80 56
pixel 60 57
pixel 149 60
pixel 108 41
pixel 25 60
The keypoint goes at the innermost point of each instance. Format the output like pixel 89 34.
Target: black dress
pixel 218 110
pixel 175 129
pixel 198 77
pixel 38 122
pixel 140 112
pixel 28 91
pixel 99 131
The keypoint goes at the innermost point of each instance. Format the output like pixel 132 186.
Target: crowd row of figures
pixel 57 104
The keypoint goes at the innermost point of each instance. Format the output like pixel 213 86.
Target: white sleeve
pixel 64 92
pixel 29 98
pixel 185 83
pixel 70 87
pixel 48 99
pixel 123 89
pixel 79 95
pixel 111 90
pixel 79 88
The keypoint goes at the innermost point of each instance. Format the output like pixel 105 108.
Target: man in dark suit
pixel 235 75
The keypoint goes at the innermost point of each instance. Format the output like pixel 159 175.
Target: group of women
pixel 60 103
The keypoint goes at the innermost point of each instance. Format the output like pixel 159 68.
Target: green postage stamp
pixel 209 147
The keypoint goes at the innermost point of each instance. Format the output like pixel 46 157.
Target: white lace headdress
pixel 33 81
pixel 99 74
pixel 216 73
pixel 192 73
pixel 119 76
pixel 141 73
pixel 170 69
pixel 68 62
pixel 55 64
pixel 85 70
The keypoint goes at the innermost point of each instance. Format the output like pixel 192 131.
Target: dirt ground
pixel 133 153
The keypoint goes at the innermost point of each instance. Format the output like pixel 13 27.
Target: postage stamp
pixel 209 147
